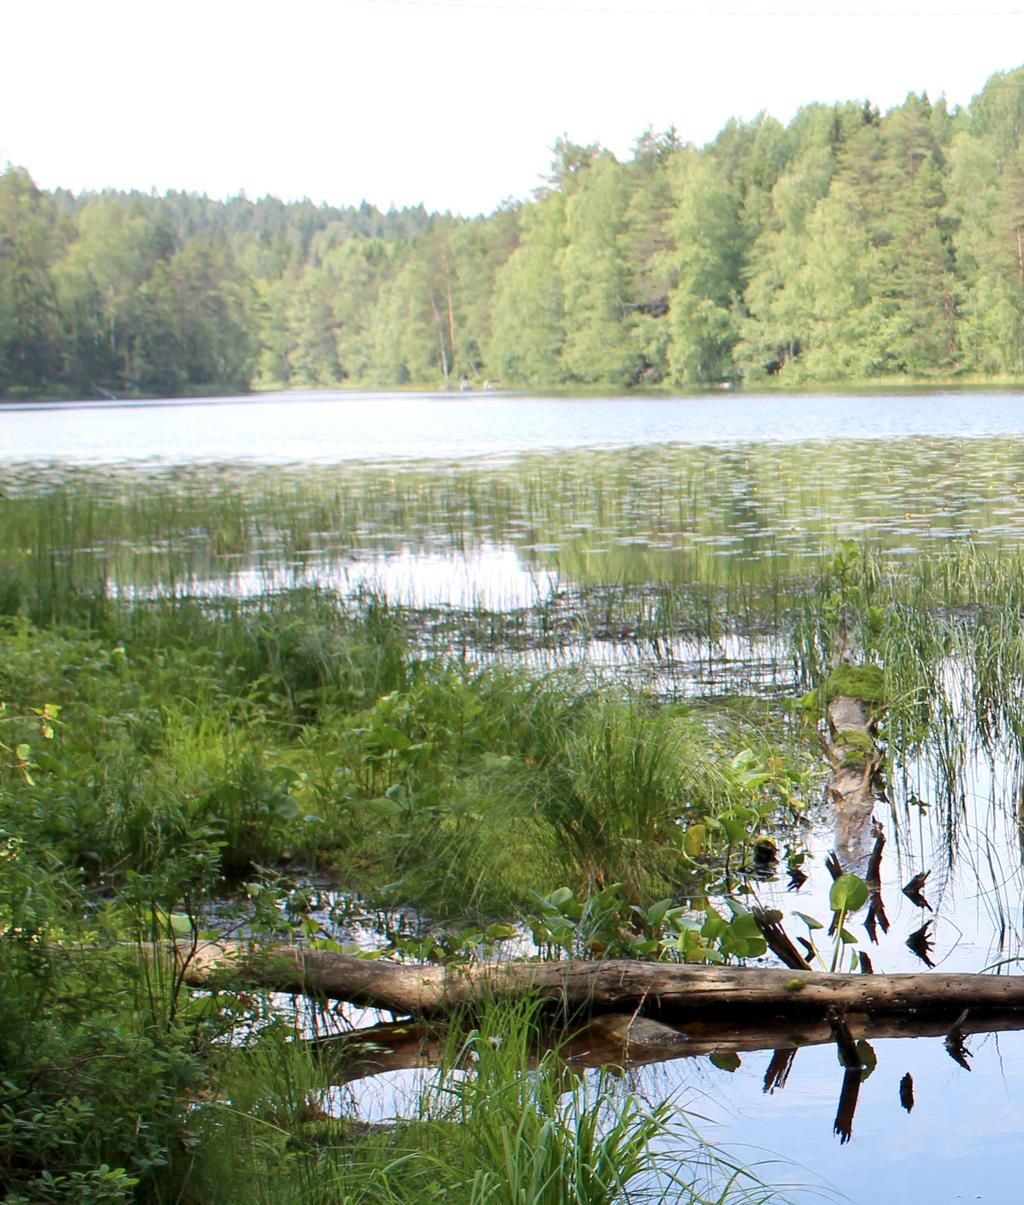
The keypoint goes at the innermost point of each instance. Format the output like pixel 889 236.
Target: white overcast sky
pixel 456 104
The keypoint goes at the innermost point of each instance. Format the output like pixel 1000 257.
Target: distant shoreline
pixel 875 387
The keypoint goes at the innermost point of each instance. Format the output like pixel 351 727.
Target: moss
pixel 853 744
pixel 864 682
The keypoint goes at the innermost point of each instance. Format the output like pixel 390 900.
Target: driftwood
pixel 664 991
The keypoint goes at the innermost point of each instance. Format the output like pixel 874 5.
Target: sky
pixel 452 103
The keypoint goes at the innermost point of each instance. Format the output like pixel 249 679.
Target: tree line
pixel 848 245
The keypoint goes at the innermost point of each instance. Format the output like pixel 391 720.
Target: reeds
pixel 502 1120
pixel 457 757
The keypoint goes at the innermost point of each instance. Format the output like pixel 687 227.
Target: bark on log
pixel 855 784
pixel 660 990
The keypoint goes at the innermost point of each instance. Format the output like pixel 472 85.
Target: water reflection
pixel 332 427
pixel 757 516
pixel 673 565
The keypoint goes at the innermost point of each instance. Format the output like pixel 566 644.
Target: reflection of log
pixel 656 989
pixel 619 1039
pixel 778 1070
pixel 843 1124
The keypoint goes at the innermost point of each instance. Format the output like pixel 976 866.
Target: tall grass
pixel 947 630
pixel 290 730
pixel 217 729
pixel 502 1121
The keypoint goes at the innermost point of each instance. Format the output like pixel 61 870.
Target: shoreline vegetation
pixel 202 763
pixel 290 767
pixel 849 246
pixel 868 387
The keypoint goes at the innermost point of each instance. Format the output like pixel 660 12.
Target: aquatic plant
pixel 501 1119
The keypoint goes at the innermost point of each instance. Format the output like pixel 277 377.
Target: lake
pixel 329 428
pixel 666 541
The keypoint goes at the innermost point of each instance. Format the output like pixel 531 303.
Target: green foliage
pixel 738 937
pixel 849 245
pixel 199 741
pixel 95 1045
pixel 848 893
pixel 529 303
pixel 29 243
pixel 597 347
pixel 502 1120
pixel 606 925
pixel 709 239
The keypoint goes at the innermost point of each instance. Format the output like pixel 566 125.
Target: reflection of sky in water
pixel 332 428
pixel 964 1140
pixel 651 515
pixel 490 577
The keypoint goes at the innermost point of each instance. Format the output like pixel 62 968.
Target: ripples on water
pixel 660 540
pixel 334 427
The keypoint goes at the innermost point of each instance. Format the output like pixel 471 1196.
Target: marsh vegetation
pixel 243 701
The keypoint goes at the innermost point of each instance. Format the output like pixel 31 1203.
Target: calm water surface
pixel 328 428
pixel 543 494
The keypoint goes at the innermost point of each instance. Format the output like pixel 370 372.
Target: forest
pixel 846 246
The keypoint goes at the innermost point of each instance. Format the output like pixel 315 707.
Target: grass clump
pixel 502 1121
pixel 192 735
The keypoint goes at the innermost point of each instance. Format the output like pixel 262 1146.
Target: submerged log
pixel 664 991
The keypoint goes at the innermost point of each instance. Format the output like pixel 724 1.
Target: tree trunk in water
pixel 855 784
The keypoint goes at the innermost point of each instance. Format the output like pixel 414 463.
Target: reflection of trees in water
pixel 752 512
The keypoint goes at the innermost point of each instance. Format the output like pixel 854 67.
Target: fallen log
pixel 665 991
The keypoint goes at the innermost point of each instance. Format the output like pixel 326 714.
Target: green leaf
pixel 809 921
pixel 735 830
pixel 714 926
pixel 181 925
pixel 694 840
pixel 393 737
pixel 744 925
pixel 657 912
pixel 640 949
pixel 849 892
pixel 383 807
pixel 748 947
